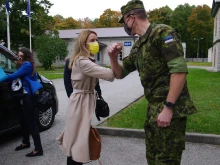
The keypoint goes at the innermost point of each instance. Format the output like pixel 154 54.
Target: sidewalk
pixel 131 151
pixel 136 133
pixel 208 68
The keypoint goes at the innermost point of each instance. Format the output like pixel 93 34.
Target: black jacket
pixel 67 81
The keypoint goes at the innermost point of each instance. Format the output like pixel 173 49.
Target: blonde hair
pixel 80 47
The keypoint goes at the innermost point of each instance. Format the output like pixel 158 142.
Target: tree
pixel 95 21
pixel 161 15
pixel 65 23
pixel 48 48
pixel 109 18
pixel 58 19
pixel 200 25
pixel 179 19
pixel 2 2
pixel 19 24
pixel 85 23
pixel 179 22
pixel 3 24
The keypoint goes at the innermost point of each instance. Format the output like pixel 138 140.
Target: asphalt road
pixel 115 150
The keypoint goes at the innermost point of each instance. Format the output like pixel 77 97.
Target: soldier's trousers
pixel 164 145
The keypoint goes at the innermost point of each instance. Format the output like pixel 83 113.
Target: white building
pixel 216 38
pixel 106 36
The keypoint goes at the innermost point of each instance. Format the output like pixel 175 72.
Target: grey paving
pixel 115 151
pixel 208 68
pixel 119 146
pixel 135 133
pixel 131 151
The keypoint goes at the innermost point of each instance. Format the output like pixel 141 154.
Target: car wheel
pixel 45 119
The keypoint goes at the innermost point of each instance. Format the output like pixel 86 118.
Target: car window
pixel 7 65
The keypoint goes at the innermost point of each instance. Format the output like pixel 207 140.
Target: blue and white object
pixel 127 43
pixel 16 84
pixel 168 39
pixel 28 11
pixel 3 76
pixel 7 5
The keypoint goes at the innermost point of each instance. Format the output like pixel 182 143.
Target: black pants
pixel 28 123
pixel 70 161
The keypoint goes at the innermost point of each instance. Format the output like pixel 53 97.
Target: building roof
pixel 101 32
pixel 215 7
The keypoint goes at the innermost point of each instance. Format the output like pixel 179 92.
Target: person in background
pixel 27 70
pixel 158 57
pixel 74 140
pixel 67 81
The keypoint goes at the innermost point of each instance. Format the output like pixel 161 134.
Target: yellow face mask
pixel 94 47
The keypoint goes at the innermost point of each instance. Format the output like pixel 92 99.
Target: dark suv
pixel 10 106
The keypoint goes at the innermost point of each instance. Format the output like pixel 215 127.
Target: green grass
pixel 54 73
pixel 57 72
pixel 131 117
pixel 199 63
pixel 51 74
pixel 204 89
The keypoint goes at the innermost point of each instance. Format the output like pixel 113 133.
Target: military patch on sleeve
pixel 168 39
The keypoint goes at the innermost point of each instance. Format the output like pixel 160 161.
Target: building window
pixel 57 58
pixel 62 58
pixel 98 56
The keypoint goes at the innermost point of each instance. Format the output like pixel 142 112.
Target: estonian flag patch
pixel 168 39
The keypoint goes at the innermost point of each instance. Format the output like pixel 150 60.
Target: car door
pixel 9 105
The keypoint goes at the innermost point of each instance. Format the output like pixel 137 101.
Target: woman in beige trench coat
pixel 74 140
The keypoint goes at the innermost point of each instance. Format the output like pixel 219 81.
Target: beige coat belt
pixel 82 91
pixel 75 91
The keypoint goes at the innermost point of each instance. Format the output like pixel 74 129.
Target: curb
pixel 139 133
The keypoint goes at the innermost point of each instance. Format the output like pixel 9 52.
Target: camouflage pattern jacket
pixel 156 55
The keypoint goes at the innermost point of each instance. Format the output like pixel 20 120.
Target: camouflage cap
pixel 131 5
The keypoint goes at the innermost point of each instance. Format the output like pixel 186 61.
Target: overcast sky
pixel 94 8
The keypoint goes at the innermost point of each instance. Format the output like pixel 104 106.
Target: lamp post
pixel 198 39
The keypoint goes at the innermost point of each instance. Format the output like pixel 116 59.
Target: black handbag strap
pixel 41 81
pixel 98 97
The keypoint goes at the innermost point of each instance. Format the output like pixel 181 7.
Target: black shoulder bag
pixel 43 99
pixel 102 108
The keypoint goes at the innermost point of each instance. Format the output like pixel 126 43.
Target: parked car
pixel 10 105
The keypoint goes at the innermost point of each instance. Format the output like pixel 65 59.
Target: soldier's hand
pixel 165 117
pixel 113 50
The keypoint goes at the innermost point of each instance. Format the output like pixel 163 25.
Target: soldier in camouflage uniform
pixel 158 57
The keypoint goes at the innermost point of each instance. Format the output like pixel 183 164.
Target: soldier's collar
pixel 146 35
